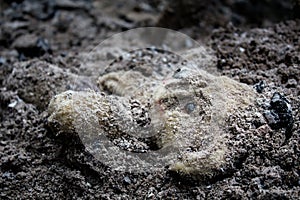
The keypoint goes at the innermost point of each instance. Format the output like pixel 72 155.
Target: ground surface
pixel 50 36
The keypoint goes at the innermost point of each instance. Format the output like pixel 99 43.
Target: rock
pixel 127 180
pixel 291 83
pixel 43 45
pixel 260 86
pixel 2 61
pixel 279 114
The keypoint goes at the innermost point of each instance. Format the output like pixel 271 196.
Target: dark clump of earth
pixel 256 43
pixel 279 114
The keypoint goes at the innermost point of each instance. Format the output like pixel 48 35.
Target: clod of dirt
pixel 37 82
pixel 31 45
pixel 42 10
pixel 279 115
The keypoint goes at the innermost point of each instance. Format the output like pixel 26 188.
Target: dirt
pixel 41 43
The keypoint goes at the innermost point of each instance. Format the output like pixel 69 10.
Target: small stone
pixel 2 60
pixel 127 180
pixel 292 83
pixel 21 175
pixel 7 175
pixel 43 45
pixel 164 59
pixel 260 86
pixel 279 115
pixel 13 104
pixel 242 49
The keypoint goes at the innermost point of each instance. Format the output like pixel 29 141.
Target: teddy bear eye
pixel 190 107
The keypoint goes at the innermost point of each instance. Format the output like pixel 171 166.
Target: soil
pixel 255 42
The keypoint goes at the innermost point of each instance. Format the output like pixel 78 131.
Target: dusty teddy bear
pixel 141 122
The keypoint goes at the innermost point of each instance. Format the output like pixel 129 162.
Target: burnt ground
pixel 255 42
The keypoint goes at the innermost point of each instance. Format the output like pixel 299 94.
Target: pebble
pixel 2 60
pixel 127 180
pixel 260 86
pixel 292 83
